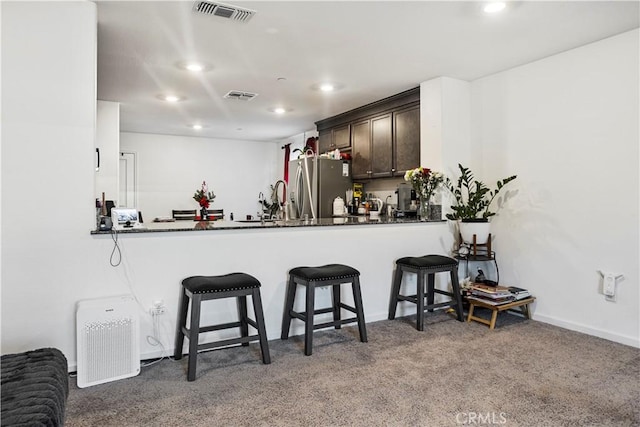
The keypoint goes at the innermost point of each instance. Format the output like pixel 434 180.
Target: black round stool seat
pixel 325 272
pixel 427 261
pixel 226 282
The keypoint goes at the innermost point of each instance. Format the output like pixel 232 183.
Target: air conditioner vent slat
pixel 222 10
pixel 240 95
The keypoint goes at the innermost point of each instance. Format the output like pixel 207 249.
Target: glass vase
pixel 424 209
pixel 204 214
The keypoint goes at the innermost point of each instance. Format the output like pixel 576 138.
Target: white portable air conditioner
pixel 108 340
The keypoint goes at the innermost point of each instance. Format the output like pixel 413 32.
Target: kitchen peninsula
pixel 154 262
pixel 253 224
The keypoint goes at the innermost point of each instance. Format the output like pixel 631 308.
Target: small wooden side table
pixel 523 304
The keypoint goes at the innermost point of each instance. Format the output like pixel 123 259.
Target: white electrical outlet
pixel 609 284
pixel 158 308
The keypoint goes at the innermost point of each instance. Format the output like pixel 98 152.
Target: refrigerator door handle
pixel 299 200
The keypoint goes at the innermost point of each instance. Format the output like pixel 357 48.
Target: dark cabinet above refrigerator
pixel 383 137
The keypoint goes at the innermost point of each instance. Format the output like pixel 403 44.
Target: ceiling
pixel 371 49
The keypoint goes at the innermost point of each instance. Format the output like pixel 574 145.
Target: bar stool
pixel 203 288
pixel 427 265
pixel 312 277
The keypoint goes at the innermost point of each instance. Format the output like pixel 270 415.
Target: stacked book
pixel 494 295
pixel 519 293
pixel 497 295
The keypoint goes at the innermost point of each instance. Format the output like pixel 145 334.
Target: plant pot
pixel 480 227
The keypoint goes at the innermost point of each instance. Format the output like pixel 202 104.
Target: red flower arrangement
pixel 204 196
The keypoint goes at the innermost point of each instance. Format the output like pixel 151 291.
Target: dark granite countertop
pixel 155 227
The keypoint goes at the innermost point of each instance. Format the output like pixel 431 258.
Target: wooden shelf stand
pixel 523 304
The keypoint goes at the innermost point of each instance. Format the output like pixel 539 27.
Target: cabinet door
pixel 406 139
pixel 341 137
pixel 324 141
pixel 361 149
pixel 381 146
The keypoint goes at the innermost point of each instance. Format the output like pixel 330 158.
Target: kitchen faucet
pixel 283 211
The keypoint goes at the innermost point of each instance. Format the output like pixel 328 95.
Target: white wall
pixel 108 141
pixel 171 168
pixel 445 115
pixel 445 129
pixel 48 169
pixel 568 125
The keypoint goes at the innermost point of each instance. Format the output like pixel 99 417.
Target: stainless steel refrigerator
pixel 314 183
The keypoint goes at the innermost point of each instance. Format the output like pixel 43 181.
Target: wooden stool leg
pixel 262 331
pixel 431 282
pixel 357 300
pixel 494 316
pixel 525 311
pixel 395 291
pixel 309 315
pixel 420 300
pixel 183 307
pixel 470 315
pixel 455 286
pixel 288 306
pixel 335 295
pixel 194 331
pixel 242 315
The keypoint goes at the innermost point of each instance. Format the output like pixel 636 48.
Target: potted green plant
pixel 473 200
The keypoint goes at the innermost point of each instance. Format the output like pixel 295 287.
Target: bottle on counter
pixel 355 205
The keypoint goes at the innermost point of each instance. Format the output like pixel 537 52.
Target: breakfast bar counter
pixel 152 227
pixel 151 263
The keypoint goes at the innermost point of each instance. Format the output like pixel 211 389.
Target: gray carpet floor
pixel 523 373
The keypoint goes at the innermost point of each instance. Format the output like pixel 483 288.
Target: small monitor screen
pixel 122 215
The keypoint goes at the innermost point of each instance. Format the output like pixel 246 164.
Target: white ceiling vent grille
pixel 239 95
pixel 223 10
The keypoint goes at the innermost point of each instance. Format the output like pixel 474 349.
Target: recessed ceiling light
pixel 327 86
pixel 280 110
pixel 196 126
pixel 194 66
pixel 494 7
pixel 171 98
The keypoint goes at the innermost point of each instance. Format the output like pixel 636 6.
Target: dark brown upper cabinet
pixel 383 137
pixel 361 149
pixel 338 137
pixel 381 147
pixel 406 139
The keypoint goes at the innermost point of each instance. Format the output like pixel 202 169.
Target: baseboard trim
pixel 622 339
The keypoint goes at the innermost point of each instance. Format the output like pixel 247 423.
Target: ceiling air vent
pixel 223 10
pixel 242 96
